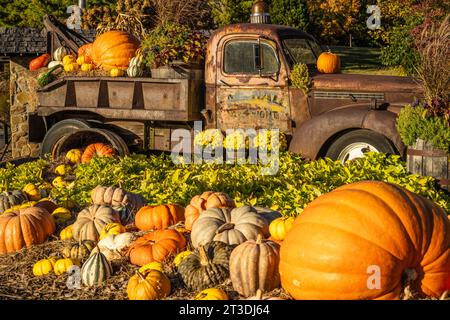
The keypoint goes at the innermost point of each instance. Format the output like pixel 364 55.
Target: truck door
pixel 252 89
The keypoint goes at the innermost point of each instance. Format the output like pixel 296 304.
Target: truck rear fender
pixel 314 136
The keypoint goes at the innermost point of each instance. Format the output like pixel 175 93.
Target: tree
pixel 226 12
pixel 292 13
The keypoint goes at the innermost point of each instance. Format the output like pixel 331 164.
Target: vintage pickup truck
pixel 244 84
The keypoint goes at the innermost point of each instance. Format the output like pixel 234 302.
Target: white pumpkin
pixel 53 64
pixel 60 53
pixel 113 245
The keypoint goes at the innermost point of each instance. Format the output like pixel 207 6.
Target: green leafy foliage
pixel 172 42
pixel 418 123
pixel 292 13
pixel 300 77
pixel 297 183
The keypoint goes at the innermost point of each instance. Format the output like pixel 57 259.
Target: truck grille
pixel 348 95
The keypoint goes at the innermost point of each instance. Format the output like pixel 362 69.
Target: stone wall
pixel 23 86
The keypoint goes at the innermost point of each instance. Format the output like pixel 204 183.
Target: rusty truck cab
pixel 247 77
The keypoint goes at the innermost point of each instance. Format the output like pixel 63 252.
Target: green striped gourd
pixel 96 270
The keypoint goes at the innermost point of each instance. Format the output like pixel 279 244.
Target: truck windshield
pixel 302 50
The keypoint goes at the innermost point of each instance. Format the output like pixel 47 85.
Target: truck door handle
pixel 223 82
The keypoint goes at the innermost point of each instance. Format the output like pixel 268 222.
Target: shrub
pixel 300 77
pixel 292 13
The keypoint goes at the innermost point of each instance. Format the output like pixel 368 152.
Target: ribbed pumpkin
pixel 114 49
pixel 114 247
pixel 114 228
pixel 328 63
pixel 48 205
pixel 113 196
pixel 212 294
pixel 60 53
pixel 156 246
pixel 230 226
pixel 74 156
pixel 91 221
pixel 61 215
pixel 96 270
pixel 66 233
pixel 11 198
pixel 254 265
pixel 86 51
pixel 152 285
pixel 63 265
pixel 279 227
pixel 342 238
pixel 135 68
pixel 32 192
pixel 79 251
pixel 180 257
pixel 206 200
pixel 158 217
pixel 97 149
pixel 23 228
pixel 43 267
pixel 206 267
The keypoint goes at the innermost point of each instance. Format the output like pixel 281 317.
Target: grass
pixel 362 60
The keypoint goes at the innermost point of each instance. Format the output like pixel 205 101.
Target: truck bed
pixel 124 98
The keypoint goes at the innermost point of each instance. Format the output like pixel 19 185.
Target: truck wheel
pixel 82 138
pixel 59 131
pixel 355 143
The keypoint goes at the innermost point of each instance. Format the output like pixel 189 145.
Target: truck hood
pixel 366 83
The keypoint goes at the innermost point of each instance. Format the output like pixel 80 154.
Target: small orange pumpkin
pixel 328 63
pixel 98 149
pixel 86 51
pixel 156 246
pixel 158 217
pixel 206 200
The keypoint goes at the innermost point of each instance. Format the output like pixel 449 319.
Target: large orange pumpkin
pixel 98 149
pixel 358 241
pixel 114 49
pixel 158 217
pixel 206 200
pixel 23 228
pixel 156 246
pixel 328 63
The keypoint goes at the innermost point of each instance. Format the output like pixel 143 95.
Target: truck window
pixel 302 50
pixel 240 58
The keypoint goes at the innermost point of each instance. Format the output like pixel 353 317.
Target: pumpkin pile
pixel 213 250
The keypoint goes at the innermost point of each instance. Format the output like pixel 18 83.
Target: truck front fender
pixel 313 136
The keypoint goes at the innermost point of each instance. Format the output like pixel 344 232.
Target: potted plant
pixel 174 51
pixel 425 126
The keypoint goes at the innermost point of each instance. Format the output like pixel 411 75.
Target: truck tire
pixel 59 131
pixel 84 137
pixel 355 143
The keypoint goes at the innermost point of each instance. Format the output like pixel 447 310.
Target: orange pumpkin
pixel 328 63
pixel 158 217
pixel 358 241
pixel 40 62
pixel 23 228
pixel 86 52
pixel 207 200
pixel 156 246
pixel 98 149
pixel 48 205
pixel 114 49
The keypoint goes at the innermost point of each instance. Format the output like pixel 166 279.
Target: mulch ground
pixel 18 282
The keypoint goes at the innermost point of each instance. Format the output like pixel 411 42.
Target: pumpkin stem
pixel 445 295
pixel 225 227
pixel 140 275
pixel 204 259
pixel 259 238
pixel 259 294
